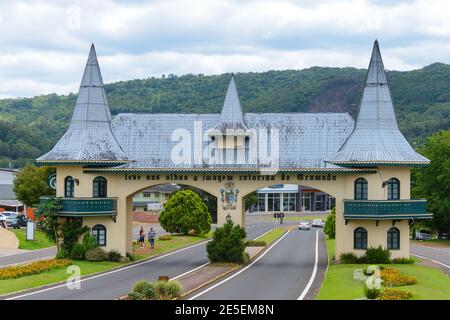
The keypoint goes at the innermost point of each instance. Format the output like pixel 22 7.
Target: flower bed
pixel 32 268
pixel 394 294
pixel 393 278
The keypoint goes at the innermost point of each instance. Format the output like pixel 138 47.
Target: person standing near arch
pixel 151 237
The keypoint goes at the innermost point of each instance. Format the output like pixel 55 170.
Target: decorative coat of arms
pixel 229 196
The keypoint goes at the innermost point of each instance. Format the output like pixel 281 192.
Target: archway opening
pixel 146 205
pixel 295 201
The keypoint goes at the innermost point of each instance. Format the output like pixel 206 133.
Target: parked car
pixel 318 223
pixel 7 213
pixel 304 225
pixel 16 221
pixel 423 235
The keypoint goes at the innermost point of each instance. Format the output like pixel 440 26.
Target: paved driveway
pixel 439 254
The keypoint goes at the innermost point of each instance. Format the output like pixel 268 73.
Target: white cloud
pixel 45 43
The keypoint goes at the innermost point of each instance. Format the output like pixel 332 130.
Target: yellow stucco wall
pixel 340 186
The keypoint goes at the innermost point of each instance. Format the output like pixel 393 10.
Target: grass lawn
pixel 164 246
pixel 432 284
pixel 53 276
pixel 433 241
pixel 273 235
pixel 40 240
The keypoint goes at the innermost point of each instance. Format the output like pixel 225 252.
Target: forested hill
pixel 29 127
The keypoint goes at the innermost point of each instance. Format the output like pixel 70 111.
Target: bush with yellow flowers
pixel 32 268
pixel 393 278
pixel 394 294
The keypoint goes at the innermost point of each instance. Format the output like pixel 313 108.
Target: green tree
pixel 31 183
pixel 185 212
pixel 433 182
pixel 47 213
pixel 227 244
pixel 330 225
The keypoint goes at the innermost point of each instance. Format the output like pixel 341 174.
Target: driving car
pixel 16 221
pixel 318 223
pixel 304 225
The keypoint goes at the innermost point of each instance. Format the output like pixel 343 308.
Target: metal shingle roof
pixel 89 137
pixel 376 137
pixel 305 139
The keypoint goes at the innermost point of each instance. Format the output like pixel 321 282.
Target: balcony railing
pixel 386 209
pixel 87 207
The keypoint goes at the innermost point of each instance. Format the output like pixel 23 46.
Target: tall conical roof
pixel 376 138
pixel 231 117
pixel 89 137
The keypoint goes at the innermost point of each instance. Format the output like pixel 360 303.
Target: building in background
pixel 153 198
pixel 8 199
pixel 286 198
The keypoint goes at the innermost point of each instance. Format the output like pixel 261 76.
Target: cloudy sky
pixel 44 44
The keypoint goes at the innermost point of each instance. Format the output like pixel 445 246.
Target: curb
pixel 209 282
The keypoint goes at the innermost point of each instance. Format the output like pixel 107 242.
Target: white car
pixel 423 235
pixel 317 223
pixel 304 225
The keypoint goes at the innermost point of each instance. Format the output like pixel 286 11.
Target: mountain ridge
pixel 29 127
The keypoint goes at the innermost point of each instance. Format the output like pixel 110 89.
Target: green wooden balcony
pixel 87 207
pixel 386 209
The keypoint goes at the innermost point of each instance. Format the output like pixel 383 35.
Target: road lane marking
pixel 109 272
pixel 313 275
pixel 242 270
pixel 121 269
pixel 435 261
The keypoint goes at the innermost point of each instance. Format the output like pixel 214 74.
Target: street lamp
pixel 228 218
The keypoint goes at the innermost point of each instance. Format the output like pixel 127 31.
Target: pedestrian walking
pixel 151 237
pixel 141 238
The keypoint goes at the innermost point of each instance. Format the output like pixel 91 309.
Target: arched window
pixel 99 188
pixel 361 189
pixel 68 187
pixel 360 238
pixel 99 233
pixel 393 189
pixel 393 239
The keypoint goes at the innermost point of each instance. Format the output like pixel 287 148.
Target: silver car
pixel 304 225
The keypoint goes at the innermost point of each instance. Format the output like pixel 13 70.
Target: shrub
pixel 330 225
pixel 114 255
pixel 371 293
pixel 393 278
pixel 89 242
pixel 32 268
pixel 131 257
pixel 227 244
pixel 403 261
pixel 394 294
pixel 135 296
pixel 377 256
pixel 168 289
pixel 246 258
pixel 255 243
pixel 96 254
pixel 350 258
pixel 78 252
pixel 145 290
pixel 62 254
pixel 185 211
pixel 165 237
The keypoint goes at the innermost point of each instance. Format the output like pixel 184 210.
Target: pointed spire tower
pixel 376 138
pixel 231 117
pixel 89 138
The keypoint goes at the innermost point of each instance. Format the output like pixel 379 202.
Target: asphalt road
pixel 113 284
pixel 439 254
pixel 27 256
pixel 286 270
